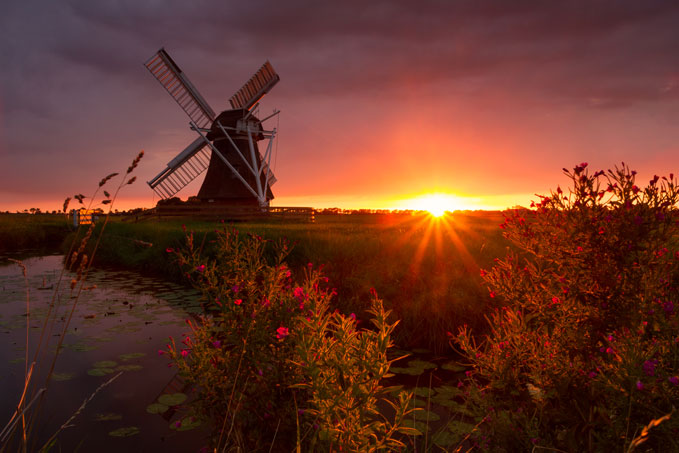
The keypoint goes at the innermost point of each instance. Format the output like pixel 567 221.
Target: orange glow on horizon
pixel 437 204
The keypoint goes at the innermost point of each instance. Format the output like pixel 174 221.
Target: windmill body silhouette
pixel 227 144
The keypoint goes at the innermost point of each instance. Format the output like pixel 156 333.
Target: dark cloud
pixel 73 71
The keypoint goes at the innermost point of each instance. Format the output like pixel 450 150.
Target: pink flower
pixel 282 332
pixel 216 344
pixel 238 301
pixel 169 250
pixel 674 380
pixel 185 352
pixel 492 294
pixel 201 268
pixel 161 352
pixel 649 367
pixel 266 302
pixel 640 385
pixel 298 293
pixel 668 307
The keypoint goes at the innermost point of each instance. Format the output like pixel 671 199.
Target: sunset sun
pixel 436 203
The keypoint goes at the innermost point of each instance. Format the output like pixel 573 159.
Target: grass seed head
pixel 106 179
pixel 135 162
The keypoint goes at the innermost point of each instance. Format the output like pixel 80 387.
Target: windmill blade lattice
pixel 181 170
pixel 166 71
pixel 253 90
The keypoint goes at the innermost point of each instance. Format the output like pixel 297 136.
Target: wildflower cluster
pixel 243 354
pixel 585 350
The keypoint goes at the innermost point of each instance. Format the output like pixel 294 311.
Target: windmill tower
pixel 227 144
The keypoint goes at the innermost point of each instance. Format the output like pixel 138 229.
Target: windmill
pixel 226 146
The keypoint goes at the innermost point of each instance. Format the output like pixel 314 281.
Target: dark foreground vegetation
pixel 568 339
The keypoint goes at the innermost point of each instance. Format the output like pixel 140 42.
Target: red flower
pixel 238 301
pixel 282 332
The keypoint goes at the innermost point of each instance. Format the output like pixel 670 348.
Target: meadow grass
pixel 426 269
pixel 32 231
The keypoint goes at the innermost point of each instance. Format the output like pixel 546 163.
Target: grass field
pixel 32 231
pixel 426 269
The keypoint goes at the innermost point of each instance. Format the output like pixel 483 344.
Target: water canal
pixel 117 327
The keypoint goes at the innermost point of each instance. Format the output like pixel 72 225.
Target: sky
pixel 382 102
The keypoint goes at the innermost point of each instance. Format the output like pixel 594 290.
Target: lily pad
pixel 129 368
pixel 81 347
pixel 124 432
pixel 453 406
pixel 172 399
pixel 186 424
pixel 424 415
pixel 131 356
pixel 59 377
pixel 424 392
pixel 123 329
pixel 99 371
pixel 445 401
pixel 444 439
pixel 421 364
pixel 156 408
pixel 447 390
pixel 105 364
pixel 452 366
pixel 418 425
pixel 410 371
pixel 416 402
pixel 460 428
pixel 108 417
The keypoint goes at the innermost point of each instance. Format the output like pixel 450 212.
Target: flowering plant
pixel 585 350
pixel 254 359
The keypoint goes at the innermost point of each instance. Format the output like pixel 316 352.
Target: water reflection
pixel 117 326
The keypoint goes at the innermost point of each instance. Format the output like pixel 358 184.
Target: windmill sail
pixel 253 90
pixel 166 71
pixel 181 170
pixel 191 162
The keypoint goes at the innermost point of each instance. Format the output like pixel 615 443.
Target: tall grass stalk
pixel 38 394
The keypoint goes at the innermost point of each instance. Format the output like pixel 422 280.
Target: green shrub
pixel 342 368
pixel 254 359
pixel 585 351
